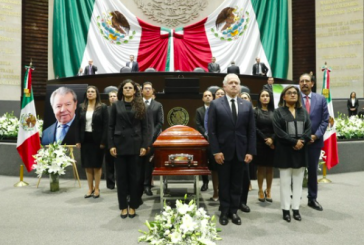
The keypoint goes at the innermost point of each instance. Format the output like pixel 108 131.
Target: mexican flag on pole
pixel 330 156
pixel 28 136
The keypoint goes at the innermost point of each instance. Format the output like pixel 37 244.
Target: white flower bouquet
pixel 186 224
pixel 52 160
pixel 349 127
pixel 9 126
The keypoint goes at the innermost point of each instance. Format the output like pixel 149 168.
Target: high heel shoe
pixel 123 216
pixel 296 215
pixel 266 197
pixel 261 196
pixel 97 196
pixel 90 195
pixel 132 215
pixel 286 215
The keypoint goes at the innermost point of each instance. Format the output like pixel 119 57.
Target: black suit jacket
pixel 263 68
pixel 350 105
pixel 157 113
pixel 99 125
pixel 233 69
pixel 135 67
pixel 228 137
pixel 127 135
pixel 213 67
pixel 199 120
pixel 268 88
pixel 93 70
pixel 49 134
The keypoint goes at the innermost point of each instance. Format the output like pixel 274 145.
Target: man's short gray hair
pixel 228 76
pixel 63 91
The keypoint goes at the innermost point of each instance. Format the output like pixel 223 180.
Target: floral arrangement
pixel 349 127
pixel 52 160
pixel 186 224
pixel 9 126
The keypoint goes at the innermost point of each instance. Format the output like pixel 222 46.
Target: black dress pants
pixel 245 184
pixel 109 170
pixel 230 184
pixel 127 180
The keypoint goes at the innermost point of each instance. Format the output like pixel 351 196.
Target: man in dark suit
pixel 213 66
pixel 316 106
pixel 269 85
pixel 132 64
pixel 259 68
pixel 90 69
pixel 109 160
pixel 231 130
pixel 64 103
pixel 233 69
pixel 156 121
pixel 200 126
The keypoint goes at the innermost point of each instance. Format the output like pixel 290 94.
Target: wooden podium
pixel 180 150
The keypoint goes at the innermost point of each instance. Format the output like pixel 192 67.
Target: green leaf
pixel 216 35
pixel 229 39
pixel 118 43
pixel 131 37
pixel 222 38
pixel 126 41
pixel 134 32
pixel 212 29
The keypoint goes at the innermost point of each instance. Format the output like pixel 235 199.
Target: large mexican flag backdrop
pixel 107 32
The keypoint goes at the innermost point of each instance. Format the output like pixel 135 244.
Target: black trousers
pixel 109 169
pixel 148 171
pixel 230 184
pixel 127 180
pixel 245 184
pixel 313 158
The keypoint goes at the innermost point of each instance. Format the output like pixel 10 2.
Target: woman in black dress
pixel 292 128
pixel 265 144
pixel 353 104
pixel 93 122
pixel 128 140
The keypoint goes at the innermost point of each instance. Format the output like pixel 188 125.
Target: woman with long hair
pixel 353 104
pixel 128 142
pixel 91 138
pixel 265 144
pixel 292 128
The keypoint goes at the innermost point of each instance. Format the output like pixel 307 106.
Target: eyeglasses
pixel 291 93
pixel 146 88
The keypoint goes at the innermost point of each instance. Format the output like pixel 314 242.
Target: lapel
pixel 225 104
pixel 240 111
pixel 124 112
pixel 313 102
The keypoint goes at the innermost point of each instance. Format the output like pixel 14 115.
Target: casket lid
pixel 180 135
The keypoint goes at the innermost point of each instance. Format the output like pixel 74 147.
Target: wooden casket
pixel 180 150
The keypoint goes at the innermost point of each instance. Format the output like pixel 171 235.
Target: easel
pixel 75 172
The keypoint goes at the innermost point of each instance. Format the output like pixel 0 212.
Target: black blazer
pixel 268 88
pixel 127 135
pixel 135 67
pixel 99 125
pixel 228 137
pixel 350 106
pixel 213 67
pixel 233 69
pixel 157 113
pixel 200 120
pixel 93 70
pixel 264 69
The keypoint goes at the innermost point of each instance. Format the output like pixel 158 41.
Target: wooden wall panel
pixel 304 40
pixel 35 41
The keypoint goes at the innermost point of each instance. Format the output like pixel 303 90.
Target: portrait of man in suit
pixel 269 85
pixel 90 69
pixel 132 64
pixel 233 68
pixel 316 107
pixel 64 104
pixel 231 131
pixel 259 68
pixel 213 66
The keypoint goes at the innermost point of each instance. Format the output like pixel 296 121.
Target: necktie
pixel 89 70
pixel 205 120
pixel 308 106
pixel 233 110
pixel 61 133
pixel 146 103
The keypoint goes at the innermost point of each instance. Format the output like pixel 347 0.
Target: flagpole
pixel 324 172
pixel 21 183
